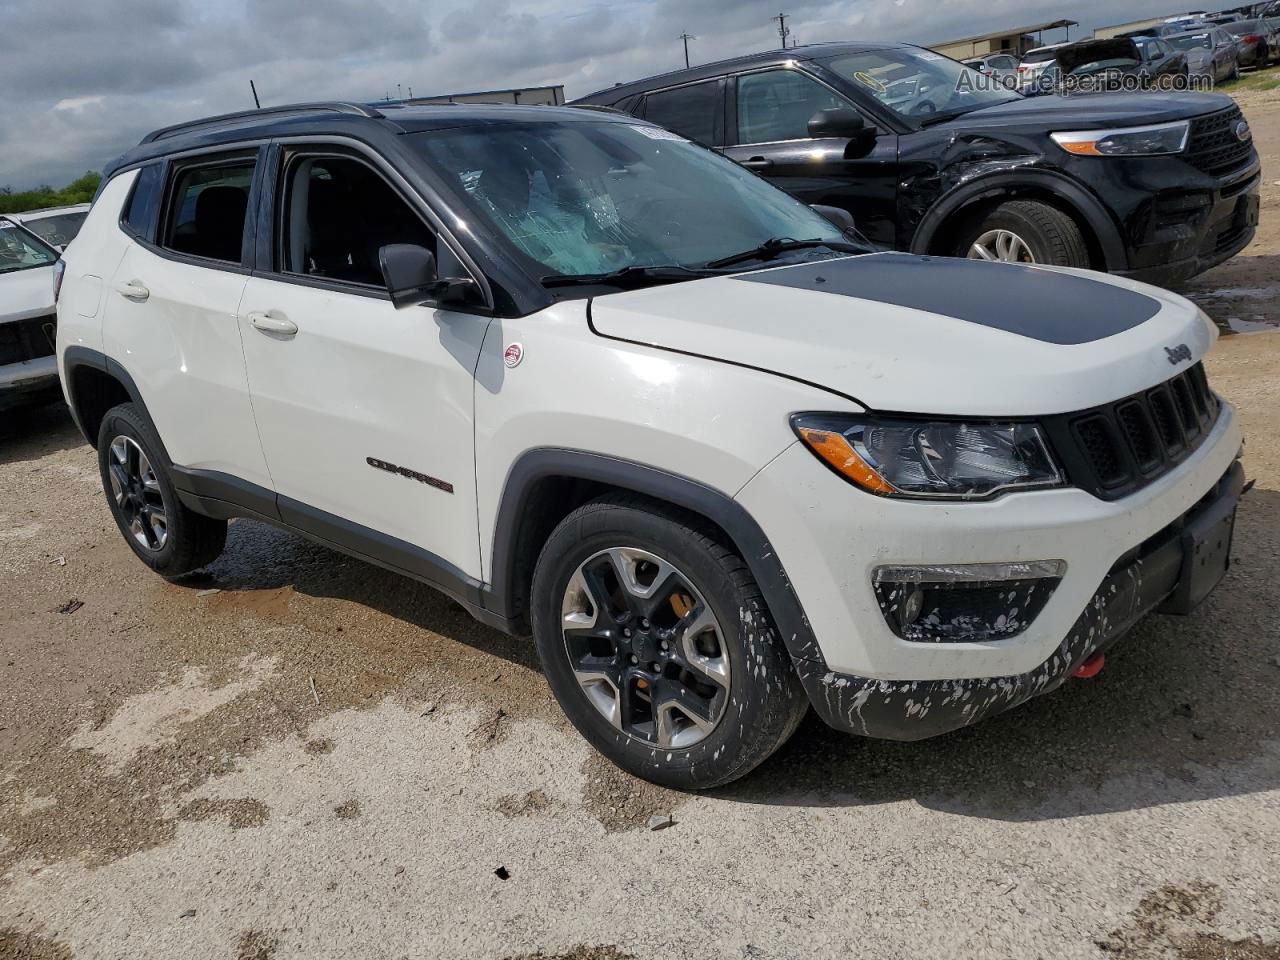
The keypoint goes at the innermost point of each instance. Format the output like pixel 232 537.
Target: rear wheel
pixel 658 646
pixel 164 534
pixel 1025 231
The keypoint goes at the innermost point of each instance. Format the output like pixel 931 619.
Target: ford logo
pixel 1242 131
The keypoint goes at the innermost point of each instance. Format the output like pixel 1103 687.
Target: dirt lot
pixel 301 756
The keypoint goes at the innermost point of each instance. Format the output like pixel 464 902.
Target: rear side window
pixel 207 210
pixel 690 111
pixel 140 211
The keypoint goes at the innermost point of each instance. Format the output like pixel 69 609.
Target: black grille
pixel 27 339
pixel 1117 448
pixel 1213 145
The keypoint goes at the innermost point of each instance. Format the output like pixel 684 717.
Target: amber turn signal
pixel 837 453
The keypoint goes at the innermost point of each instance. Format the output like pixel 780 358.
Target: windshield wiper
pixel 779 245
pixel 628 276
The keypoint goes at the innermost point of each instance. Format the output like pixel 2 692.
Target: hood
pixel 26 293
pixel 1076 55
pixel 940 336
pixel 1092 113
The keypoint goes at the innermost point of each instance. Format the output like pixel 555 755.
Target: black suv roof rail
pixel 323 106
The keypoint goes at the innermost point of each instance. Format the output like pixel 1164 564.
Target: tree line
pixel 80 190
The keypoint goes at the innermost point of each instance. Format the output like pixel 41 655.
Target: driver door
pixel 768 116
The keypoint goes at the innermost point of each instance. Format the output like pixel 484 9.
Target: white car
pixel 1035 62
pixel 604 386
pixel 28 368
pixel 56 226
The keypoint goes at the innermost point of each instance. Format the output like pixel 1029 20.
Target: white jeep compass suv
pixel 601 385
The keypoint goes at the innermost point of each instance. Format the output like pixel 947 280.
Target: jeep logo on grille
pixel 1242 131
pixel 1178 354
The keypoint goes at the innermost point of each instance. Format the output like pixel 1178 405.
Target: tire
pixel 748 714
pixel 169 538
pixel 1048 235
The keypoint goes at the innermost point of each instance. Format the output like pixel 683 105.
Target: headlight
pixel 934 459
pixel 1150 141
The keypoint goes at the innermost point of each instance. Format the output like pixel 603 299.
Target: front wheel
pixel 1024 231
pixel 658 645
pixel 169 538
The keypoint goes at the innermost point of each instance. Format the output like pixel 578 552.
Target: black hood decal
pixel 1040 304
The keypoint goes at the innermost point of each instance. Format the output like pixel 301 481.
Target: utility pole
pixel 686 37
pixel 783 30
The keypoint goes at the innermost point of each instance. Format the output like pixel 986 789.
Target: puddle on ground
pixel 1237 309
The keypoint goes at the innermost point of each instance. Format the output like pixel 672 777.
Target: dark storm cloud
pixel 84 82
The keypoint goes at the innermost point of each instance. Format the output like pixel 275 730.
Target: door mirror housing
pixel 842 122
pixel 413 277
pixel 841 217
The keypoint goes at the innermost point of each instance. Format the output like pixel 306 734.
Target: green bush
pixel 80 190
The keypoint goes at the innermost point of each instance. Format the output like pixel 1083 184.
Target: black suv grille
pixel 1119 447
pixel 1213 145
pixel 28 339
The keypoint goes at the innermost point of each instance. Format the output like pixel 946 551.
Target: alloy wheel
pixel 645 647
pixel 137 493
pixel 1003 245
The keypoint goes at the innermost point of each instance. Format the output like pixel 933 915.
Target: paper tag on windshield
pixel 657 133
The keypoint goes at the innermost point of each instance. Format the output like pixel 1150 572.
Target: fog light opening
pixel 965 603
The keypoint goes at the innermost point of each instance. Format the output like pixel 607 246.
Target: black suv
pixel 932 157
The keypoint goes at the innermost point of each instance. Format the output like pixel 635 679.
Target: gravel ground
pixel 302 756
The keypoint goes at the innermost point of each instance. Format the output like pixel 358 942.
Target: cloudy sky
pixel 83 79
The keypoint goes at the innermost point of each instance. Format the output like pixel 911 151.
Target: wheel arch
pixel 545 485
pixel 938 226
pixel 95 384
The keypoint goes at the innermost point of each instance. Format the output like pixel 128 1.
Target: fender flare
pixel 721 509
pixel 1095 215
pixel 76 357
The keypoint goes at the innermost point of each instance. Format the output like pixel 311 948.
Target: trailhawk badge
pixel 513 355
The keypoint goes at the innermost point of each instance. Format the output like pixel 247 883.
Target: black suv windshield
pixel 20 250
pixel 590 198
pixel 918 84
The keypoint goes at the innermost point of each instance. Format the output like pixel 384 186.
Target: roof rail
pixel 325 106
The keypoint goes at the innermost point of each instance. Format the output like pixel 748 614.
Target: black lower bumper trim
pixel 918 709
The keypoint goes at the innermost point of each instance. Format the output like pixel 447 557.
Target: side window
pixel 1004 63
pixel 140 211
pixel 692 111
pixel 778 104
pixel 207 209
pixel 337 213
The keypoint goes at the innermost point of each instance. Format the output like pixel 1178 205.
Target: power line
pixel 686 37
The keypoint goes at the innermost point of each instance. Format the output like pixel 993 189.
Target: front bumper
pixel 1190 231
pixel 30 381
pixel 1157 576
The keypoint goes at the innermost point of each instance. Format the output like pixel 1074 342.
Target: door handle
pixel 133 290
pixel 757 163
pixel 279 325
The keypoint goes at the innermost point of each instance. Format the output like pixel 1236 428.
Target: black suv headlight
pixel 933 459
pixel 1150 141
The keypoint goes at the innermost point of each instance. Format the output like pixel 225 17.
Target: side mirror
pixel 841 217
pixel 413 278
pixel 843 122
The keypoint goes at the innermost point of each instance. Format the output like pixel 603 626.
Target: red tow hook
pixel 1091 667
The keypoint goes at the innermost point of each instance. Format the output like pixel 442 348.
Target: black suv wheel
pixel 658 646
pixel 165 535
pixel 1025 231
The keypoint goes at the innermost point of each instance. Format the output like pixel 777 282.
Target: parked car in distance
pixel 1034 63
pixel 1121 63
pixel 1258 41
pixel 1210 52
pixel 598 383
pixel 28 368
pixel 56 226
pixel 931 157
pixel 1003 66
